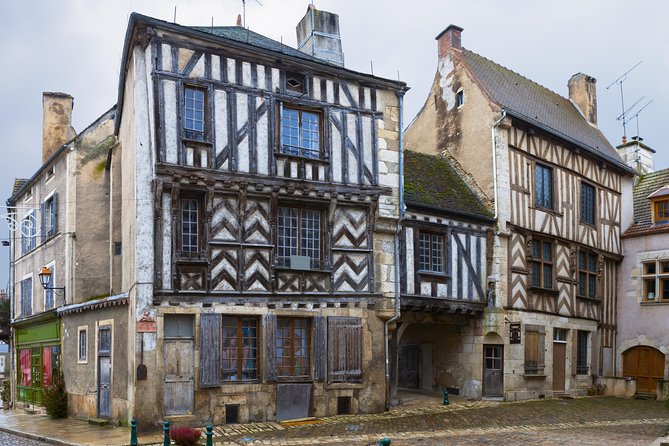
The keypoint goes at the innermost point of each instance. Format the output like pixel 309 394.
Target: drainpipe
pixel 400 98
pixel 494 160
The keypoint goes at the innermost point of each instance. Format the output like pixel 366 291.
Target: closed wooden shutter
pixel 344 349
pixel 43 221
pixel 54 221
pixel 535 350
pixel 270 347
pixel 210 350
pixel 320 353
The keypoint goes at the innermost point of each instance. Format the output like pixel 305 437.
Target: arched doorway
pixel 646 364
pixel 493 365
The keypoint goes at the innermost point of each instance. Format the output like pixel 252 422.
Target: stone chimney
pixel 637 155
pixel 583 93
pixel 56 122
pixel 449 38
pixel 318 35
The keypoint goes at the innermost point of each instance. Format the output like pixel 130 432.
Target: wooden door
pixel 559 361
pixel 179 371
pixel 104 372
pixel 646 364
pixel 493 370
pixel 409 367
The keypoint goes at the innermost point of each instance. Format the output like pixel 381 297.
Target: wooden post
pixel 166 433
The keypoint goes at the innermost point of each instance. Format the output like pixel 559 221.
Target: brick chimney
pixel 56 122
pixel 583 93
pixel 449 38
pixel 318 35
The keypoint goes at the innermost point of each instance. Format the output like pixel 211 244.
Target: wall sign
pixel 147 324
pixel 514 332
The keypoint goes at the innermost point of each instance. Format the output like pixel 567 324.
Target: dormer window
pixel 661 211
pixel 295 83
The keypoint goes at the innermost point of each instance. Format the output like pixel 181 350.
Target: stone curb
pixel 35 437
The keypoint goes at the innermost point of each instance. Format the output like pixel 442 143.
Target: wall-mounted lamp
pixel 45 279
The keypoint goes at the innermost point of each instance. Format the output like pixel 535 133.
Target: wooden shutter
pixel 344 349
pixel 43 221
pixel 210 350
pixel 319 348
pixel 54 222
pixel 535 350
pixel 270 347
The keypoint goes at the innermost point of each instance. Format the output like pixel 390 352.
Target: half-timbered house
pixel 260 191
pixel 554 183
pixel 443 252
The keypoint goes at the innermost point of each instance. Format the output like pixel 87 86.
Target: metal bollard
pixel 383 442
pixel 210 434
pixel 446 403
pixel 166 433
pixel 133 432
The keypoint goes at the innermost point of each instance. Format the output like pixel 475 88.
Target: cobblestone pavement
pixel 12 440
pixel 583 421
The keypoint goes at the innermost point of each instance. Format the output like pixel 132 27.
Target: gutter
pixel 494 162
pixel 400 98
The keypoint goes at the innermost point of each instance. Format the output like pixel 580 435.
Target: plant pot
pixel 5 405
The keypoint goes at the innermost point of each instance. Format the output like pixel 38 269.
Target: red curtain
pixel 24 365
pixel 46 367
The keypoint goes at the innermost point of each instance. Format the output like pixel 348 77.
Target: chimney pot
pixel 239 20
pixel 583 93
pixel 56 122
pixel 449 38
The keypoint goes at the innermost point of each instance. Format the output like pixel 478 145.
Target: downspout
pixel 400 98
pixel 494 160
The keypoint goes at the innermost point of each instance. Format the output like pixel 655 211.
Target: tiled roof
pixel 536 104
pixel 432 181
pixel 243 35
pixel 647 185
pixel 18 184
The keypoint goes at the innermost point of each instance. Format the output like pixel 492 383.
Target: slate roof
pixel 432 181
pixel 536 104
pixel 18 184
pixel 243 35
pixel 647 185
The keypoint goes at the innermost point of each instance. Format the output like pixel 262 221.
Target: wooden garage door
pixel 646 364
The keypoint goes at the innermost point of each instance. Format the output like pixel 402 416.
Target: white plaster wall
pixel 627 203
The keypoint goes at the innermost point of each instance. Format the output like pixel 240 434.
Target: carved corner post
pixel 273 214
pixel 176 225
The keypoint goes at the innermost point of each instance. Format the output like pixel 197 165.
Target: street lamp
pixel 45 279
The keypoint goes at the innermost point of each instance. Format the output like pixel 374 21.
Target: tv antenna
pixel 244 11
pixel 620 82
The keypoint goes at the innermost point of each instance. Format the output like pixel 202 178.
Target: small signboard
pixel 514 333
pixel 147 324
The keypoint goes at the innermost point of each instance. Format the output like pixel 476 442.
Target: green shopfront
pixel 37 355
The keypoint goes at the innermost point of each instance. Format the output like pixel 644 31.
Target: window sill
pixel 294 379
pixel 594 300
pixel 534 375
pixel 654 302
pixel 539 290
pixel 299 157
pixel 547 210
pixel 197 141
pixel 433 275
pixel 590 225
pixel 312 270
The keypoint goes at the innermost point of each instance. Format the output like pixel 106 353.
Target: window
pixel 178 326
pixel 559 335
pixel 28 232
pixel 587 203
pixel 300 132
pixel 535 337
pixel 298 233
pixel 240 348
pixel 459 98
pixel 50 173
pixel 292 347
pixel 295 83
pixel 49 216
pixel 190 227
pixel 661 211
pixel 431 252
pixel 194 122
pixel 344 349
pixel 83 345
pixel 25 369
pixel 587 274
pixel 655 276
pixel 582 353
pixel 48 294
pixel 542 264
pixel 27 296
pixel 544 186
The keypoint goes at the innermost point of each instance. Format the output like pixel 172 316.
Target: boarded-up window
pixel 344 349
pixel 535 336
pixel 210 350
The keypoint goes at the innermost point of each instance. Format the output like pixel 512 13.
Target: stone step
pixel 98 421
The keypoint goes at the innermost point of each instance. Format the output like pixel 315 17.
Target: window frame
pixel 658 277
pixel 539 203
pixel 656 211
pixel 543 263
pixel 291 348
pixel 239 359
pixel 51 292
pixel 300 149
pixel 284 261
pixel 28 242
pixel 432 250
pixel 26 285
pixel 588 273
pixel 593 217
pixel 82 329
pixel 460 98
pixel 534 362
pixel 198 253
pixel 581 365
pixel 193 134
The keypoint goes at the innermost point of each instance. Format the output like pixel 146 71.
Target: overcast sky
pixel 74 46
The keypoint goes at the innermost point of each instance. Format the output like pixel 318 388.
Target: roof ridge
pixel 520 75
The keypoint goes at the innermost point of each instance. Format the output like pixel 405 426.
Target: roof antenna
pixel 212 24
pixel 371 65
pixel 244 11
pixel 638 136
pixel 620 81
pixel 175 14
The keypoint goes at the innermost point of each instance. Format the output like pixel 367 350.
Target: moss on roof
pixel 431 180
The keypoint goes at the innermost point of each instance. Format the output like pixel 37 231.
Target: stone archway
pixel 646 365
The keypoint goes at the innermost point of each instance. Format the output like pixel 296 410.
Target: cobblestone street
pixel 583 421
pixel 13 440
